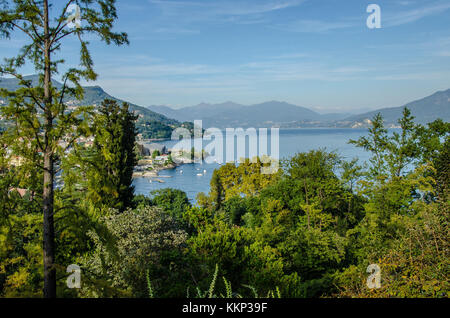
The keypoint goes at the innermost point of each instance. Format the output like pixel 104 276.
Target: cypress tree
pixel 115 157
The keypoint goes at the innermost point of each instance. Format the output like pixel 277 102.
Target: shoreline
pixel 154 173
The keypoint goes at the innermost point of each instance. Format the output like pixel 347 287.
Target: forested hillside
pixel 149 124
pixel 425 110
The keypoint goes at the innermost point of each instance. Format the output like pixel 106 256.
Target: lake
pixel 194 178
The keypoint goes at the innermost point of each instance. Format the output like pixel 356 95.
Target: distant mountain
pixel 157 122
pixel 93 95
pixel 202 111
pixel 166 111
pixel 230 114
pixel 281 114
pixel 151 124
pixel 425 110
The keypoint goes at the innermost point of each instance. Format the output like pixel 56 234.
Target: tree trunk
pixel 49 227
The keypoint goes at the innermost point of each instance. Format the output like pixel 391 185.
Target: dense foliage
pixel 110 180
pixel 311 230
pixel 41 121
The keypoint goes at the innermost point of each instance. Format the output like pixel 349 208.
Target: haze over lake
pixel 195 178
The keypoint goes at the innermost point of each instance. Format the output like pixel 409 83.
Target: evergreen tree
pixel 155 154
pixel 38 111
pixel 110 179
pixel 375 143
pixel 403 148
pixel 216 193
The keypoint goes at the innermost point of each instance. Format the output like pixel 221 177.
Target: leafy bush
pixel 143 240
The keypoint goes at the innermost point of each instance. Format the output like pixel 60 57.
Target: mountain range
pixel 93 95
pixel 230 114
pixel 282 114
pixel 269 114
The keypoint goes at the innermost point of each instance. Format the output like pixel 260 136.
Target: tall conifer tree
pixel 110 183
pixel 40 116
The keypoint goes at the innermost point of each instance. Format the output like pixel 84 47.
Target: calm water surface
pixel 292 141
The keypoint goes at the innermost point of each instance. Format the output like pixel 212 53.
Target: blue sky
pixel 313 53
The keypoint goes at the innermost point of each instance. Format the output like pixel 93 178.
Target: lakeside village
pixel 154 157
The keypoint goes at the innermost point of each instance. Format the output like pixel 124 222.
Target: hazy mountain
pixel 202 111
pixel 281 114
pixel 425 110
pixel 93 95
pixel 230 114
pixel 166 111
pixel 268 114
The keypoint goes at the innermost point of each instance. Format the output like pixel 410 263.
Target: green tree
pixel 375 143
pixel 145 240
pixel 402 148
pixel 111 175
pixel 170 159
pixel 432 139
pixel 231 181
pixel 242 260
pixel 235 208
pixel 395 154
pixel 155 154
pixel 311 183
pixel 173 201
pixel 216 193
pixel 39 112
pixel 20 228
pixel 402 229
pixel 442 166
